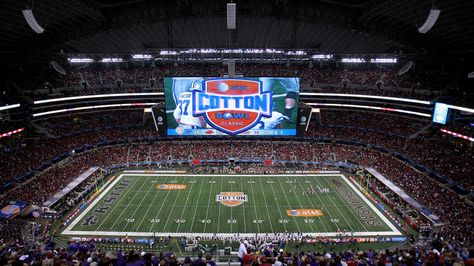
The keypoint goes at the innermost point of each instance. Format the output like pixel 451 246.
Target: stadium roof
pixel 331 26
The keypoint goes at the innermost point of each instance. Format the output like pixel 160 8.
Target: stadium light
pixel 11 106
pixel 142 56
pixel 233 51
pixel 430 21
pixel 353 60
pixel 209 51
pixel 3 135
pixel 56 66
pixel 405 68
pixel 383 60
pixel 80 60
pixel 168 52
pixel 273 51
pixel 98 96
pixel 30 19
pixel 111 60
pixel 322 56
pixel 371 107
pixel 231 16
pixel 460 108
pixel 471 139
pixel 91 107
pixel 189 51
pixel 296 52
pixel 365 96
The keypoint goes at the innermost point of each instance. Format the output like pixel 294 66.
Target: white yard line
pixel 151 205
pixel 126 207
pixel 168 192
pixel 68 231
pixel 337 208
pixel 302 207
pixel 172 208
pixel 211 199
pixel 243 208
pixel 231 219
pixel 278 205
pixel 139 206
pixel 185 205
pixel 289 205
pixel 377 211
pixel 92 205
pixel 109 212
pixel 312 205
pixel 255 207
pixel 358 218
pixel 196 208
pixel 190 235
pixel 266 206
pixel 220 206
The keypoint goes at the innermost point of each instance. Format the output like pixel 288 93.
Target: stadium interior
pixel 207 132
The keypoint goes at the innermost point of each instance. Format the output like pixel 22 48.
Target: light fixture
pixel 142 56
pixel 30 19
pixel 406 68
pixel 383 60
pixel 430 21
pixel 56 66
pixel 353 60
pixel 80 60
pixel 112 60
pixel 322 56
pixel 231 16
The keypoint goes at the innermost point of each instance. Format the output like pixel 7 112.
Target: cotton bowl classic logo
pixel 231 199
pixel 232 106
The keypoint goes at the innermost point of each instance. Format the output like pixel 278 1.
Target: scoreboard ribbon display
pixel 231 106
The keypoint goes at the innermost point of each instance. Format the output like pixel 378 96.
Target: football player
pixel 269 122
pixel 183 113
pixel 292 87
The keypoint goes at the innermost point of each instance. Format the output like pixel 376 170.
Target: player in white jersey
pixel 270 122
pixel 292 87
pixel 183 114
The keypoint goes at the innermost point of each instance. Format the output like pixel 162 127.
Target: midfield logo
pixel 232 106
pixel 231 199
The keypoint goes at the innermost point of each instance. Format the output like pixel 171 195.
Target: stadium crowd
pixel 430 193
pixel 253 252
pixel 395 133
pixel 374 81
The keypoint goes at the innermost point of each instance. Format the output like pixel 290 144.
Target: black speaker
pixel 159 118
pixel 304 116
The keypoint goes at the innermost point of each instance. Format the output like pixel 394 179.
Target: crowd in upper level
pixel 343 79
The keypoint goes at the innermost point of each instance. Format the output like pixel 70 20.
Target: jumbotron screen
pixel 198 106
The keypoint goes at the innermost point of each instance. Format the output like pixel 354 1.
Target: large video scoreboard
pixel 264 106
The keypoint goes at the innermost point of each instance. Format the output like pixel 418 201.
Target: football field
pixel 143 204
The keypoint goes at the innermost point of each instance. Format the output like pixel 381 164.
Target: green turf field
pixel 140 204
